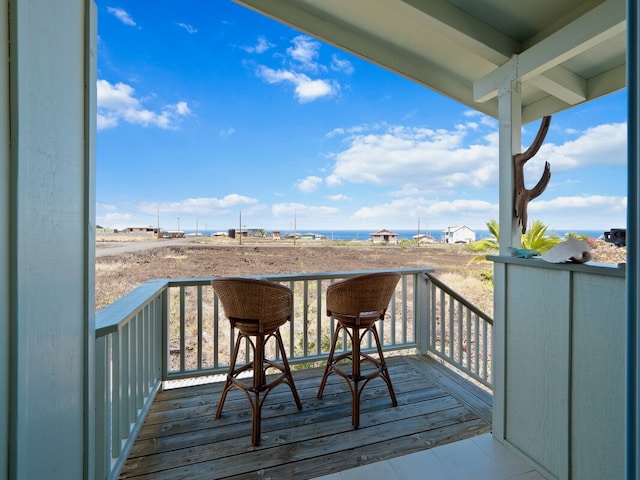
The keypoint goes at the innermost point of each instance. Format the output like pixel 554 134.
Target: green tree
pixel 534 239
pixel 490 243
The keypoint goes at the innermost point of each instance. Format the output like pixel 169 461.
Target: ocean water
pixel 363 235
pixel 436 234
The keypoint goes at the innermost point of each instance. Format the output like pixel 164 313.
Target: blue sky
pixel 209 112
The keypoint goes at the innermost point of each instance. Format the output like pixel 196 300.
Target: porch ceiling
pixel 564 52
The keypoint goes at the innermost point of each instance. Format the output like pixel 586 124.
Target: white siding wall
pixel 561 366
pixel 4 245
pixel 48 177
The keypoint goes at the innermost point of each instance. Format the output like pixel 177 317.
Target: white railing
pixel 128 361
pixel 200 338
pixel 175 329
pixel 459 333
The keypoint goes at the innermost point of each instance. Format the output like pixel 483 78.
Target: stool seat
pixel 357 303
pixel 256 309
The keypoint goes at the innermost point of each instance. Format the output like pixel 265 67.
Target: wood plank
pixel 181 439
pixel 365 455
pixel 473 396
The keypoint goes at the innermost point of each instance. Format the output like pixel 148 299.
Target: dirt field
pixel 122 265
pixel 120 273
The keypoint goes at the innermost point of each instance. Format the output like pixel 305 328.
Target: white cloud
pixel 227 132
pixel 333 181
pixel 302 211
pixel 604 144
pixel 407 156
pixel 117 217
pixel 299 65
pixel 118 102
pixel 404 210
pixel 188 28
pixel 304 53
pixel 591 212
pixel 309 184
pixel 121 15
pixel 339 197
pixel 200 206
pixel 464 157
pixel 586 203
pixel 341 65
pixel 225 210
pixel 261 46
pixel 306 89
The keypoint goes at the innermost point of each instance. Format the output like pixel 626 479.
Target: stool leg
pixel 258 385
pixel 384 372
pixel 287 371
pixel 355 374
pixel 327 369
pixel 229 383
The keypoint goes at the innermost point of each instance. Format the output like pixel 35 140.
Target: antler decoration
pixel 525 195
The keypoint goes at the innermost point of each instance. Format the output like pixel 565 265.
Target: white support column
pixel 47 256
pixel 509 143
pixel 510 118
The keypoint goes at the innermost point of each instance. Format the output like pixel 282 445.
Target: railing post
pixel 422 299
pixel 163 348
pixel 102 410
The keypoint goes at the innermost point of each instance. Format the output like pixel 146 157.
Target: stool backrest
pixel 371 292
pixel 251 299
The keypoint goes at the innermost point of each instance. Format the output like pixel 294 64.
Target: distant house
pixel 171 234
pixel 384 236
pixel 249 232
pixel 140 230
pixel 458 234
pixel 312 236
pixel 423 238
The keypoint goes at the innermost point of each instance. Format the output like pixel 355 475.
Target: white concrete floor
pixel 478 458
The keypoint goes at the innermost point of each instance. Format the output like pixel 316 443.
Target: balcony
pixel 160 350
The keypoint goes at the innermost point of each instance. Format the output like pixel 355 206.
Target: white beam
pixel 563 84
pixel 466 30
pixel 600 24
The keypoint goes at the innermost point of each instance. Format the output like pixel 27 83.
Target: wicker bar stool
pixel 357 303
pixel 256 308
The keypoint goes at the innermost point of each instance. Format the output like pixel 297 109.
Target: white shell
pixel 570 250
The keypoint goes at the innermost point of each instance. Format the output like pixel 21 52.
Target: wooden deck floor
pixel 181 439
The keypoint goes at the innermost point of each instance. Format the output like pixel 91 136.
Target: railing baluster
pixel 102 407
pixel 469 348
pixel 292 324
pixel 216 331
pixel 199 326
pixel 305 319
pixel 319 315
pixel 443 320
pixel 182 329
pixel 139 360
pixel 485 356
pixel 458 333
pixel 116 403
pixel 476 341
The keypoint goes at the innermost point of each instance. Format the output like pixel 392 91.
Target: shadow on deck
pixel 180 438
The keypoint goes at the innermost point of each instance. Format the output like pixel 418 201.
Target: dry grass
pixel 117 275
